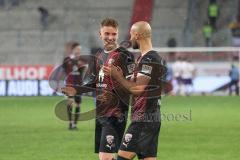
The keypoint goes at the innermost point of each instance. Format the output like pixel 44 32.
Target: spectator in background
pixel 234 76
pixel 235 31
pixel 207 34
pixel 2 3
pixel 168 87
pixel 14 3
pixel 44 17
pixel 188 73
pixel 171 43
pixel 213 13
pixel 177 68
pixel 10 3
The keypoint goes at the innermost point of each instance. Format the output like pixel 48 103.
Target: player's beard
pixel 110 45
pixel 135 44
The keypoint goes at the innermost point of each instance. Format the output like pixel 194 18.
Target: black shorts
pixel 77 99
pixel 142 139
pixel 108 134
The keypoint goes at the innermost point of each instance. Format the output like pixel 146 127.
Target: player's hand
pixel 107 99
pixel 112 70
pixel 69 91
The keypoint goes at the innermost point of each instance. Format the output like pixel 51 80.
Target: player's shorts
pixel 179 80
pixel 78 99
pixel 142 139
pixel 108 134
pixel 187 81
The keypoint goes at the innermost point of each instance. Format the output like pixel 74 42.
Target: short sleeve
pixel 153 67
pixel 127 61
pixel 146 65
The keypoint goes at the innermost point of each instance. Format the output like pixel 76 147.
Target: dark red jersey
pixel 107 87
pixel 146 106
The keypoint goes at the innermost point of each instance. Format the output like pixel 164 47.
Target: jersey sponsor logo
pixel 146 69
pixel 131 68
pixel 100 80
pixel 101 85
pixel 101 76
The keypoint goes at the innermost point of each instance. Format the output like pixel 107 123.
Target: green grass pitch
pixel 193 128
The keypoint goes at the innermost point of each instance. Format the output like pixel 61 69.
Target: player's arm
pixel 69 91
pixel 76 90
pixel 136 88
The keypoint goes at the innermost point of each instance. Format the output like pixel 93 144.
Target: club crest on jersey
pixel 146 69
pixel 110 141
pixel 127 139
pixel 110 61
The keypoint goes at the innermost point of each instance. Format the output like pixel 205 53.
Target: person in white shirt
pixel 177 68
pixel 188 73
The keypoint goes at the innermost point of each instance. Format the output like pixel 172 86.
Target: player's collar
pixel 111 50
pixel 146 52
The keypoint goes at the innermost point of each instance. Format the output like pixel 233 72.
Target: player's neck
pixel 145 46
pixel 110 50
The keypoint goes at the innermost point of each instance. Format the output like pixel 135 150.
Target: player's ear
pixel 136 36
pixel 140 35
